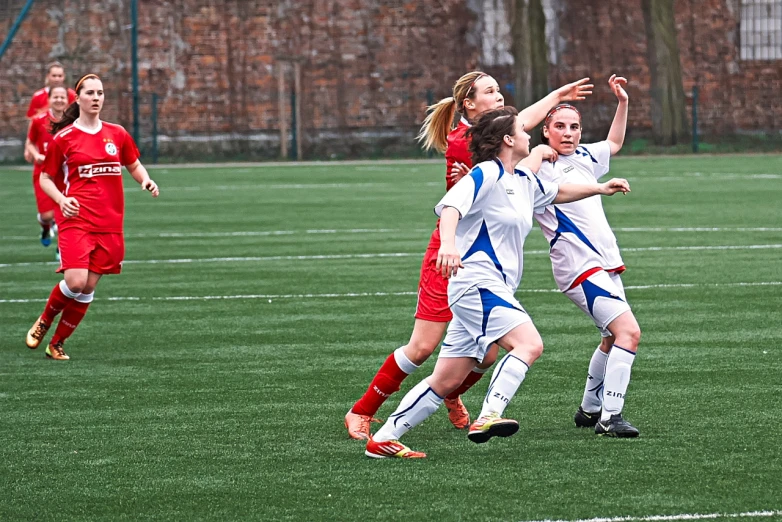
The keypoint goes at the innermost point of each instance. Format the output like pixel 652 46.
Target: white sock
pixel 616 380
pixel 505 380
pixel 593 391
pixel 416 407
pixel 405 364
pixel 67 292
pixel 85 298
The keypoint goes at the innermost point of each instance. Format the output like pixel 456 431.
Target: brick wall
pixel 735 96
pixel 366 67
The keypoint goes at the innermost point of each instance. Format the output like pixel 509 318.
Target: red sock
pixel 468 383
pixel 56 304
pixel 388 380
pixel 71 317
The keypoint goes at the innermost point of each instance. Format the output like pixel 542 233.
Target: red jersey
pixel 40 135
pixel 40 101
pixel 458 151
pixel 89 163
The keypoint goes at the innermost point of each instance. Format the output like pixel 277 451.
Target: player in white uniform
pixel 484 220
pixel 586 262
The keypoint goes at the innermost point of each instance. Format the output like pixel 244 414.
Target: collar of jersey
pixel 464 120
pixel 88 131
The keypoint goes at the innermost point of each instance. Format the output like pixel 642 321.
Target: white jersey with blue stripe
pixel 578 233
pixel 496 210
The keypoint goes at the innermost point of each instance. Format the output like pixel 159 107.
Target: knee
pixel 76 284
pixel 419 350
pixel 529 351
pixel 535 350
pixel 629 338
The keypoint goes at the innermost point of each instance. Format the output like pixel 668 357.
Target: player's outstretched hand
pixel 617 84
pixel 575 91
pixel 152 187
pixel 612 186
pixel 458 171
pixel 69 207
pixel 448 261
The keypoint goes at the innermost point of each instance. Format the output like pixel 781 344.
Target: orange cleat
pixel 358 425
pixel 457 413
pixel 36 334
pixel 55 351
pixel 391 449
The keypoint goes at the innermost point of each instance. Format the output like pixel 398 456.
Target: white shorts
pixel 602 297
pixel 482 315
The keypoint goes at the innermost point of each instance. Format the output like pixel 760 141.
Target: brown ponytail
pixel 70 115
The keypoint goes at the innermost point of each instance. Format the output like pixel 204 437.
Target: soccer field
pixel 210 379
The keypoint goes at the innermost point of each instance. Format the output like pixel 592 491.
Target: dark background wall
pixel 368 67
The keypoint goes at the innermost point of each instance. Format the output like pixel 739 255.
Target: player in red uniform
pixel 39 136
pixel 473 93
pixel 55 77
pixel 85 157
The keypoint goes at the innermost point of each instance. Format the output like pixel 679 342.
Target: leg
pixel 601 296
pixel 61 296
pixel 388 379
pixel 457 412
pixel 524 346
pixel 418 405
pixel 627 333
pixel 73 315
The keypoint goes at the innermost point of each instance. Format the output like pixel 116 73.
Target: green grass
pixel 228 409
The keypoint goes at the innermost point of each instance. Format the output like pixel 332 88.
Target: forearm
pixel 31 149
pixel 533 161
pixel 50 189
pixel 569 192
pixel 449 218
pixel 535 113
pixel 616 136
pixel 139 172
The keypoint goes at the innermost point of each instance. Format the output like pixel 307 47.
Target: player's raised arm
pixel 616 135
pixel 575 91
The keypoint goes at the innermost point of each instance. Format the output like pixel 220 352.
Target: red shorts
pixel 432 291
pixel 44 202
pixel 99 252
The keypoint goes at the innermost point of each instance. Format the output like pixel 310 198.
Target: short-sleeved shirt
pixel 578 233
pixel 496 210
pixel 89 163
pixel 40 101
pixel 457 151
pixel 40 135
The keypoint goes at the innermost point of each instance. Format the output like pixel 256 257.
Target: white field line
pixel 379 255
pixel 289 186
pixel 683 516
pixel 271 297
pixel 250 233
pixel 266 233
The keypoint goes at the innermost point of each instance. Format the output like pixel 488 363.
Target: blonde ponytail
pixel 437 124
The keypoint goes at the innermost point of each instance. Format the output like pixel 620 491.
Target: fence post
pixel 134 63
pixel 695 119
pixel 15 27
pixel 294 137
pixel 154 128
pixel 429 103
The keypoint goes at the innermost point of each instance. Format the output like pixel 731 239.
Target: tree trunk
pixel 538 50
pixel 529 49
pixel 669 122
